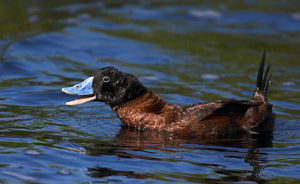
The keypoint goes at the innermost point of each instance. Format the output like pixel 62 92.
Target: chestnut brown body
pixel 218 118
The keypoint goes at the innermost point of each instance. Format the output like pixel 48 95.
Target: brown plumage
pixel 217 118
pixel 139 108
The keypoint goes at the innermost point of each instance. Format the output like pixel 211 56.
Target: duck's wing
pixel 199 112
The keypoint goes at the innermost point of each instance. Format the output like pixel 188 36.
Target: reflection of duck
pixel 140 108
pixel 138 145
pixel 141 140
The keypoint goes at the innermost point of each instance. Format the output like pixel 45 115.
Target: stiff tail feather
pixel 263 80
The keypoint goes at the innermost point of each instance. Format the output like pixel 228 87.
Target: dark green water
pixel 185 51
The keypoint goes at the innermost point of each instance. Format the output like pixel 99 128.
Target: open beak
pixel 83 89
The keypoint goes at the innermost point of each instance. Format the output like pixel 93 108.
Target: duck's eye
pixel 77 86
pixel 105 79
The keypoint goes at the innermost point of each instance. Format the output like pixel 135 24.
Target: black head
pixel 114 87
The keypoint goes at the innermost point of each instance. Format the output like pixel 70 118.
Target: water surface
pixel 185 51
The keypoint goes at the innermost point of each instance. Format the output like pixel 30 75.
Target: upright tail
pixel 263 80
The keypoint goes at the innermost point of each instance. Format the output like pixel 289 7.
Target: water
pixel 185 51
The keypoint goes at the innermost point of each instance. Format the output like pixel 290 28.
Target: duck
pixel 139 108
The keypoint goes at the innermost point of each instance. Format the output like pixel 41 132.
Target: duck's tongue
pixel 84 89
pixel 81 100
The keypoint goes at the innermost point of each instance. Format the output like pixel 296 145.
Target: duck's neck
pixel 148 102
